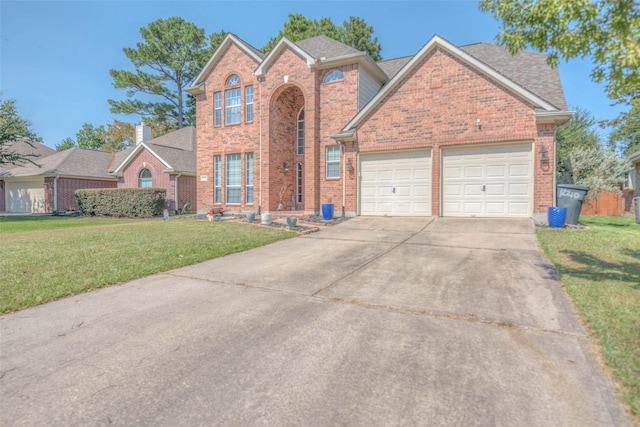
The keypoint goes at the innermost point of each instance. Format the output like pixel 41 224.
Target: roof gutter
pixel 555 117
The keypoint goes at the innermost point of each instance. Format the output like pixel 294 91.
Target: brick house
pixel 164 162
pixel 449 131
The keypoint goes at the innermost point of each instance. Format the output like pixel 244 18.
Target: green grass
pixel 46 258
pixel 600 268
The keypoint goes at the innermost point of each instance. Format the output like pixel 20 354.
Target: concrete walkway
pixel 376 321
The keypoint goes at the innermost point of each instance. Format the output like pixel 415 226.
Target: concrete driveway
pixel 377 321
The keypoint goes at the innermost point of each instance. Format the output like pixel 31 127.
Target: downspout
pixel 260 146
pixel 175 192
pixel 344 174
pixel 55 192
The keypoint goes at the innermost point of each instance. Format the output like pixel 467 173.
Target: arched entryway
pixel 287 145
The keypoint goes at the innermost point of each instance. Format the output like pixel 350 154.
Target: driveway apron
pixel 376 321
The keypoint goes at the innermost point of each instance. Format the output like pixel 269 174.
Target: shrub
pixel 121 202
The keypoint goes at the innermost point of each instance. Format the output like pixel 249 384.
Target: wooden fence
pixel 607 204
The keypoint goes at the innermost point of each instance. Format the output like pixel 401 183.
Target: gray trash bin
pixel 571 197
pixel 637 202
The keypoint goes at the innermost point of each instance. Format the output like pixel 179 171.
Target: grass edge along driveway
pixel 600 269
pixel 48 258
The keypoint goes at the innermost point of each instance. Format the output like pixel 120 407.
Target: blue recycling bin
pixel 327 211
pixel 557 216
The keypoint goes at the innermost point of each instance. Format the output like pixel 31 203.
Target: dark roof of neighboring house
pixel 325 47
pixel 177 149
pixel 75 162
pixel 528 69
pixel 25 146
pixel 392 66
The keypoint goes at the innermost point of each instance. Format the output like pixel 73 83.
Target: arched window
pixel 233 80
pixel 300 137
pixel 232 102
pixel 333 76
pixel 144 179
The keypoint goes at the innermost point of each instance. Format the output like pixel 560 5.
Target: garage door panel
pixel 473 172
pixel 399 183
pixel 495 181
pixel 25 196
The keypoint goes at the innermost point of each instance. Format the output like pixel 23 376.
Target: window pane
pixel 217 179
pixel 249 177
pixel 144 180
pixel 248 99
pixel 233 178
pixel 333 161
pixel 233 80
pixel 232 106
pixel 300 137
pixel 333 76
pixel 217 109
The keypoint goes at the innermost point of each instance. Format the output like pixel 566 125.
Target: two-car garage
pixel 481 181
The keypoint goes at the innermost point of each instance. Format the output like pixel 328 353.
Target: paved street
pixel 374 322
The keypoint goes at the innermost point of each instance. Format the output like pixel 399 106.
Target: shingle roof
pixel 528 69
pixel 177 149
pixel 392 66
pixel 77 162
pixel 634 157
pixel 22 146
pixel 325 47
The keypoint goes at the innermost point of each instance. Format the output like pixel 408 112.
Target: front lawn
pixel 46 258
pixel 600 268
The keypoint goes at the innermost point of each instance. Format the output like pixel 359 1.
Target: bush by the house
pixel 121 202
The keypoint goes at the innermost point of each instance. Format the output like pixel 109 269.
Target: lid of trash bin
pixel 573 187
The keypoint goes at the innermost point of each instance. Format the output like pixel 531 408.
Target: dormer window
pixel 333 76
pixel 232 103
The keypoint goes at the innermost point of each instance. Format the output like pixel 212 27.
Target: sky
pixel 55 56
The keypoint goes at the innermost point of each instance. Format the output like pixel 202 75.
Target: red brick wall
pixel 226 139
pixel 66 189
pixel 159 179
pixel 439 103
pixel 338 104
pixel 187 191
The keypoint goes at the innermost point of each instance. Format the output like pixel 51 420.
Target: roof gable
pixel 230 39
pixel 283 44
pixel 437 42
pixel 175 150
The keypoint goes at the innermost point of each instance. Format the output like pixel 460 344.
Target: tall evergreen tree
pixel 355 33
pixel 12 128
pixel 171 54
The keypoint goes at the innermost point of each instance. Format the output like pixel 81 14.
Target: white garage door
pixel 489 181
pixel 396 184
pixel 25 196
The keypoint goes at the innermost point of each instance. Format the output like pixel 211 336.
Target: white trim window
pixel 333 161
pixel 144 179
pixel 248 104
pixel 217 109
pixel 232 101
pixel 232 178
pixel 248 191
pixel 217 179
pixel 300 133
pixel 333 76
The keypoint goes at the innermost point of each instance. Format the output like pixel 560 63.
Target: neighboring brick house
pixel 164 162
pixel 449 131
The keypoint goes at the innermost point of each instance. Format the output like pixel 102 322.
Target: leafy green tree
pixel 119 136
pixel 89 137
pixel 580 131
pixel 172 53
pixel 625 136
pixel 355 33
pixel 12 128
pixel 606 30
pixel 598 168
